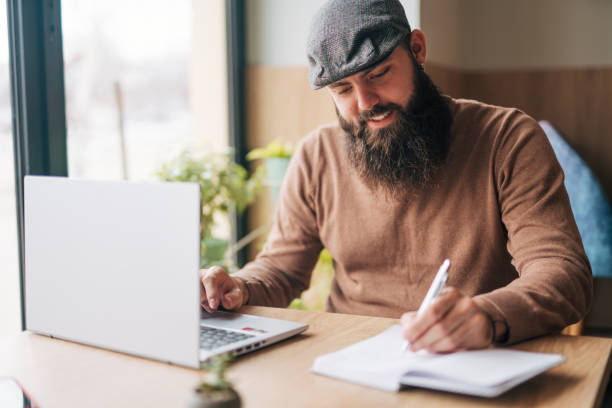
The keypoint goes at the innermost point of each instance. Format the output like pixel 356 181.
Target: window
pixel 127 86
pixel 144 80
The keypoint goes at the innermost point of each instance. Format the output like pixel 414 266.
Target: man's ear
pixel 417 46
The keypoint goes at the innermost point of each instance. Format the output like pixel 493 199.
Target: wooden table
pixel 63 374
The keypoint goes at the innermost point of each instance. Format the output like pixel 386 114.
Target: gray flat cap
pixel 348 36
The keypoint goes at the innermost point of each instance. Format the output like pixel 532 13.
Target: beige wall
pixel 208 83
pixel 486 34
pixel 208 75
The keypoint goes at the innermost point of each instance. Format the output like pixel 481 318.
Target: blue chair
pixel 589 204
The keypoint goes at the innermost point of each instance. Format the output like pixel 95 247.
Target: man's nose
pixel 366 99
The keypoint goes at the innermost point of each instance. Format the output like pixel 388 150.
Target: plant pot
pixel 276 167
pixel 201 398
pixel 213 250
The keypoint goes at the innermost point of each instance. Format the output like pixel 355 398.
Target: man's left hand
pixel 453 322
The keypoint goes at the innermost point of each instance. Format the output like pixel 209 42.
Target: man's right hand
pixel 218 287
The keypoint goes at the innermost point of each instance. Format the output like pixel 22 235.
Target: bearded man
pixel 406 178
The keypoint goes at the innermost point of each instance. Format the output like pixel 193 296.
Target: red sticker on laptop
pixel 253 330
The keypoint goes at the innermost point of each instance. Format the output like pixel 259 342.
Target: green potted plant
pixel 224 185
pixel 215 391
pixel 276 160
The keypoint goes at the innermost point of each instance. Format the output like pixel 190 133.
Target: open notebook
pixel 379 362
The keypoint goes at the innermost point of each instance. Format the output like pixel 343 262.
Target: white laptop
pixel 115 264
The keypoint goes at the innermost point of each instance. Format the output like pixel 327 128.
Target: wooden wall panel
pixel 281 106
pixel 578 102
pixel 449 81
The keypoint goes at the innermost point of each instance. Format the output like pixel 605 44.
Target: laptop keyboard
pixel 212 338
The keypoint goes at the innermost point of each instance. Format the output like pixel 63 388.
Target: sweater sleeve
pixel 283 268
pixel 555 284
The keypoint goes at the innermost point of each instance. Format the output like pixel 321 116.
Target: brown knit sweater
pixel 497 209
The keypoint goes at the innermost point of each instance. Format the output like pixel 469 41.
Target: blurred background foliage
pixel 320 284
pixel 225 186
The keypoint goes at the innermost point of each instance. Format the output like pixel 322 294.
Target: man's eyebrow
pixel 367 71
pixel 338 84
pixel 378 65
pixel 361 74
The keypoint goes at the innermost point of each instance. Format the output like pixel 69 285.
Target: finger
pixel 203 297
pixel 232 299
pixel 207 308
pixel 213 280
pixel 406 322
pixel 436 311
pixel 407 318
pixel 467 336
pixel 457 316
pixel 478 333
pixel 231 295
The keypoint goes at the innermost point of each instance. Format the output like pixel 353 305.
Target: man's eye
pixel 344 90
pixel 384 71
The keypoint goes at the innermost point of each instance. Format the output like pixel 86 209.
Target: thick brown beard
pixel 407 154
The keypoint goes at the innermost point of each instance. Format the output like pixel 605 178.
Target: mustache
pixel 381 140
pixel 378 109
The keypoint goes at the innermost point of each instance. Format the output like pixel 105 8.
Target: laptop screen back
pixel 114 264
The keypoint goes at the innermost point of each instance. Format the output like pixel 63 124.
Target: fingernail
pixel 212 303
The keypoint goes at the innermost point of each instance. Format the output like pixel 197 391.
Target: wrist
pixel 499 330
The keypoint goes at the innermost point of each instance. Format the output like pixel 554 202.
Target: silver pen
pixel 432 294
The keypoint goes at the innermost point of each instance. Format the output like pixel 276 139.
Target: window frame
pixel 37 100
pixel 235 20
